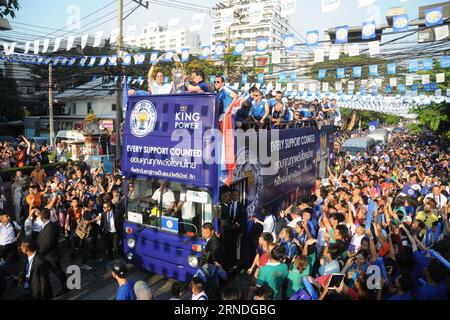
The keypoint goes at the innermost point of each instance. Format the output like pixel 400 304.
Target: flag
pixel 434 17
pixel 260 78
pixel 218 52
pixel 227 151
pixel 341 35
pixel 288 41
pixel 239 47
pixel 312 38
pixel 413 66
pixel 356 72
pixel 153 57
pixel 427 64
pixel 369 30
pixel 373 125
pixel 445 62
pixel 261 45
pixel 400 23
pixel 185 55
pixel 373 70
pixel 322 74
pixel 391 68
pixel 206 50
pixel 340 73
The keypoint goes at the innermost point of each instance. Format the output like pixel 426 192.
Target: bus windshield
pixel 171 207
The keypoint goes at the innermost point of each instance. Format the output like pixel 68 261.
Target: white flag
pixel 353 50
pixel 197 21
pixel 276 56
pixel 45 45
pixel 277 86
pixel 440 77
pixel 441 32
pixel 256 12
pixel 374 47
pixel 114 35
pixel 9 48
pixel 312 87
pixel 335 52
pixel 330 5
pixel 338 86
pixel 364 82
pixel 365 3
pixel 27 47
pixel 70 41
pixel 393 82
pixel 226 18
pixel 246 86
pixel 301 86
pixel 425 79
pixel 98 39
pixel 288 7
pixel 318 55
pixel 36 46
pixel 84 40
pixel 325 87
pixel 269 86
pixel 409 81
pixel 289 86
pixel 351 85
pixel 57 44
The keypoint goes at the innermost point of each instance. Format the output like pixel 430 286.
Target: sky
pixel 308 16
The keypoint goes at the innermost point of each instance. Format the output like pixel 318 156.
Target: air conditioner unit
pixel 65 110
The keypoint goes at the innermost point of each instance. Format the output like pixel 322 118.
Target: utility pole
pixel 119 92
pixel 50 104
pixel 119 107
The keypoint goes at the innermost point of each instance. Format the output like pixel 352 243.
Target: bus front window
pixel 171 207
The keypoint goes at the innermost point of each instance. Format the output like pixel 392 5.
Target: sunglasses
pixel 217 81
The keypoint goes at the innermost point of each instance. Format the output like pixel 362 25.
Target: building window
pixel 89 107
pixel 74 108
pixel 113 107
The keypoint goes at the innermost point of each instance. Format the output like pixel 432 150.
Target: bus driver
pixel 163 197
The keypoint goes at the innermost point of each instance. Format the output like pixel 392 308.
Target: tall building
pixel 163 38
pixel 272 25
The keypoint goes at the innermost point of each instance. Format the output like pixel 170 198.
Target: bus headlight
pixel 193 261
pixel 130 256
pixel 131 243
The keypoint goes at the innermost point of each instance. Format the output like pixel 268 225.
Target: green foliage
pixel 367 116
pixel 435 117
pixel 10 9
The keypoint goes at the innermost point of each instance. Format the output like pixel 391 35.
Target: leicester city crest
pixel 143 118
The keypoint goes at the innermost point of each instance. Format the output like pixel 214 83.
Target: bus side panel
pixel 161 252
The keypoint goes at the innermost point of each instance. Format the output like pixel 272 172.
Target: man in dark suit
pixel 111 227
pixel 238 226
pixel 212 243
pixel 47 246
pixel 36 275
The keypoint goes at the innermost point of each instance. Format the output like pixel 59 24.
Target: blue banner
pixel 282 77
pixel 445 62
pixel 220 48
pixel 373 125
pixel 388 89
pixel 413 66
pixel 312 38
pixel 169 224
pixel 428 64
pixel 150 147
pixel 206 51
pixel 391 68
pixel 288 41
pixel 401 88
pixel 260 78
pixel 185 55
pixel 373 70
pixel 374 91
pixel 322 74
pixel 369 30
pixel 153 57
pixel 434 16
pixel 340 73
pixel 400 23
pixel 239 47
pixel 356 72
pixel 293 76
pixel 262 44
pixel 341 35
pixel 244 78
pixel 363 91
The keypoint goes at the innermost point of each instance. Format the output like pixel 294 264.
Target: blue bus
pixel 171 151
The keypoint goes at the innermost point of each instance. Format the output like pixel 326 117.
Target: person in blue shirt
pixel 404 286
pixel 278 99
pixel 226 95
pixel 435 288
pixel 126 287
pixel 249 95
pixel 260 109
pixel 199 85
pixel 287 241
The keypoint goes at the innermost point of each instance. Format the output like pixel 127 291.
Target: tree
pixel 434 117
pixel 10 9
